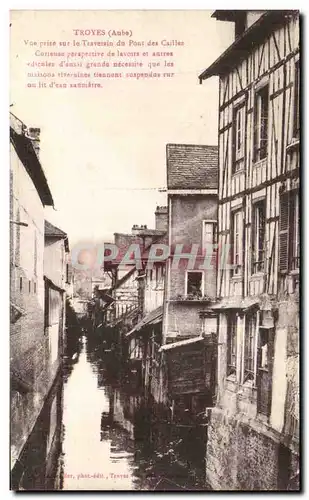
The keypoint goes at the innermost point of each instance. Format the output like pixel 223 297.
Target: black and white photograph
pixel 155 250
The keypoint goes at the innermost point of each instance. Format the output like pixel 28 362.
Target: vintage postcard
pixel 154 250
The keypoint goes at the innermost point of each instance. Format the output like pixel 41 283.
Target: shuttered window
pixel 284 233
pixel 289 240
pixel 294 232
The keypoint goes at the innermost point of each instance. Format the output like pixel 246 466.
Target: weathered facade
pixel 56 280
pixel 192 188
pixel 145 338
pixel 253 437
pixel 190 288
pixel 33 386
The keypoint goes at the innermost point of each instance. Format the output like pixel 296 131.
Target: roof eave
pixel 242 45
pixel 27 155
pixel 225 15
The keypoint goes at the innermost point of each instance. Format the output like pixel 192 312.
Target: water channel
pixel 103 447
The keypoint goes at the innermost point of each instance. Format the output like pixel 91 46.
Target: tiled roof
pixel 51 230
pixel 192 166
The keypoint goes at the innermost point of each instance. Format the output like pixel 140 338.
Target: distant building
pixel 253 435
pixel 189 324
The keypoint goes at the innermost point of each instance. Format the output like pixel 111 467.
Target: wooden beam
pixel 276 47
pixel 280 178
pixel 261 59
pixel 254 81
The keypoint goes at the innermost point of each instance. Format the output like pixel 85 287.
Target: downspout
pixel 168 281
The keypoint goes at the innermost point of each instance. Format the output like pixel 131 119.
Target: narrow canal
pixel 102 446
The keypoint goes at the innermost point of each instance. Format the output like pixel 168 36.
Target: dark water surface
pixel 102 448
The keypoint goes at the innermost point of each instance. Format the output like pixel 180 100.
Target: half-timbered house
pixel 253 433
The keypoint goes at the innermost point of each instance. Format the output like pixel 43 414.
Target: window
pixel 239 130
pixel 237 241
pixel 261 123
pixel 231 344
pixel 264 370
pixel 158 275
pixel 258 237
pixel 163 271
pixel 289 238
pixel 250 349
pixel 29 286
pixel 34 287
pixel 209 234
pixel 20 284
pixel 194 283
pixel 296 127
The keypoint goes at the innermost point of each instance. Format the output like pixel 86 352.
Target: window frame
pixel 214 232
pixel 260 150
pixel 250 332
pixel 258 264
pixel 237 268
pixel 296 108
pixel 239 132
pixel 289 232
pixel 202 283
pixel 231 334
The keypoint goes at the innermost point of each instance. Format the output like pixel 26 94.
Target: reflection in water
pixel 99 451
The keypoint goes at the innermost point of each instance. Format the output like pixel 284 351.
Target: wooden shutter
pixel 284 233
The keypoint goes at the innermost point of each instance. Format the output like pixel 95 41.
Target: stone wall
pixel 246 455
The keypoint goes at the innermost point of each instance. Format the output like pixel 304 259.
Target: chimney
pixel 136 229
pixel 34 135
pixel 161 216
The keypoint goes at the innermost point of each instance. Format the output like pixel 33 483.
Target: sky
pixel 103 150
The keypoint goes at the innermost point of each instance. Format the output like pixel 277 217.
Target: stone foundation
pixel 244 455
